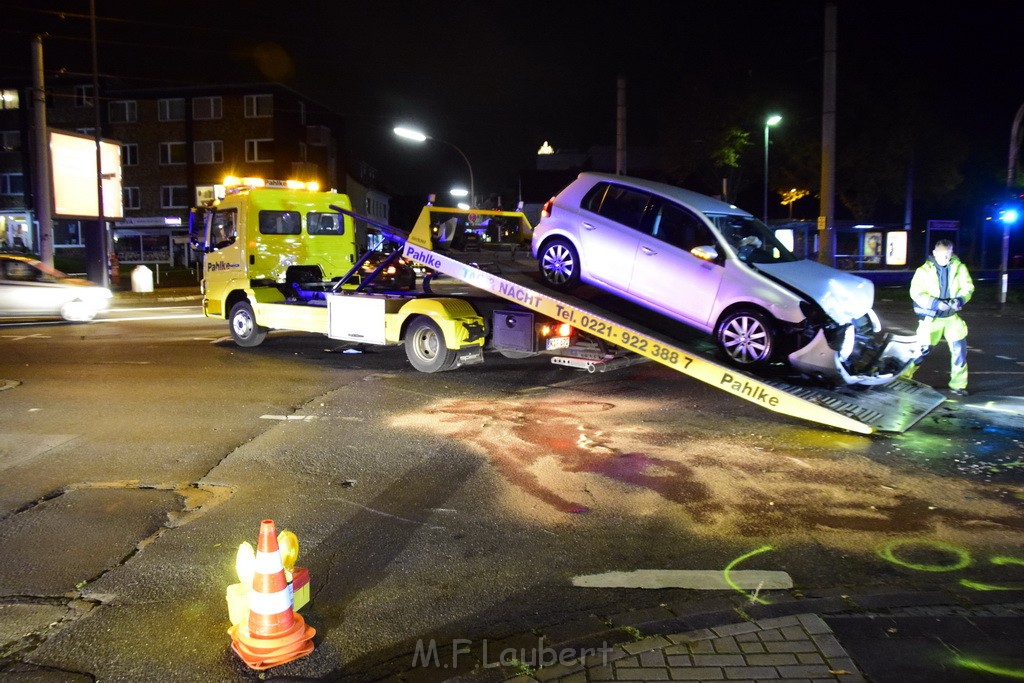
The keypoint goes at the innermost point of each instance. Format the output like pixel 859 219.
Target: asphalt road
pixel 137 452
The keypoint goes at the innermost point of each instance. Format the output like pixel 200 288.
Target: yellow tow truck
pixel 282 255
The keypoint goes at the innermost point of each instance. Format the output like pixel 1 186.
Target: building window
pixel 130 154
pixel 207 108
pixel 259 150
pixel 171 109
pixel 10 140
pixel 83 95
pixel 318 135
pixel 130 196
pixel 9 99
pixel 259 106
pixel 173 196
pixel 123 111
pixel 67 234
pixel 12 184
pixel 208 151
pixel 172 153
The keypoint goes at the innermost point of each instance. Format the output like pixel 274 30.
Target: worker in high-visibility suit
pixel 940 288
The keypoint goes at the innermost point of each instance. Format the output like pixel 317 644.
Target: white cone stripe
pixel 270 603
pixel 268 563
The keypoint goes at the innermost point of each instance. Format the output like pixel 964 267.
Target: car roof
pixel 17 257
pixel 694 200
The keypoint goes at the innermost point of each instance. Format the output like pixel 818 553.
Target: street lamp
pixel 460 192
pixel 417 136
pixel 772 120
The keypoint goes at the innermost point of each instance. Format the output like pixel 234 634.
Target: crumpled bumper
pixel 876 360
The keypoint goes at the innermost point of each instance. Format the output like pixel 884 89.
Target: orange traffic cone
pixel 274 633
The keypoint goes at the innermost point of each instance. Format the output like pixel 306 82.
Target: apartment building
pixel 177 146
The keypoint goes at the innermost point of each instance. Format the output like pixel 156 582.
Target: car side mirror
pixel 705 253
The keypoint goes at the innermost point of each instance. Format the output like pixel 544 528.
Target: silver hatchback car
pixel 719 269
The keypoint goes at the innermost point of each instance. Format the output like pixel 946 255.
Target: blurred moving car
pixel 719 269
pixel 398 275
pixel 32 289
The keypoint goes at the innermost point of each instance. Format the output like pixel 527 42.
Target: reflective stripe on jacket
pixel 924 288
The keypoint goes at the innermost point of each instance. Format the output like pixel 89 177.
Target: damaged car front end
pixel 840 341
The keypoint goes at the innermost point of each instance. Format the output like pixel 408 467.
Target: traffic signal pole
pixel 826 219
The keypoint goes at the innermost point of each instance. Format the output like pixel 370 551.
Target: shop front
pixel 16 232
pixel 154 240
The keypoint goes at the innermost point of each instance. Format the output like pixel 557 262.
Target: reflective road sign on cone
pixel 275 633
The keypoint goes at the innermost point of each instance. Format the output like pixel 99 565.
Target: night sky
pixel 499 78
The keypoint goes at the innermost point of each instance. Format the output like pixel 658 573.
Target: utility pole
pixel 96 248
pixel 620 127
pixel 41 177
pixel 826 219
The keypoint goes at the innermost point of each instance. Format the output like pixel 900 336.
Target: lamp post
pixel 772 120
pixel 417 136
pixel 1007 219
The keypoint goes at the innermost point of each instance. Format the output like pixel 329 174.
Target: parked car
pixel 32 289
pixel 719 269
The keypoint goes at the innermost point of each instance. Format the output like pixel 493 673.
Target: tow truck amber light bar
pixel 235 184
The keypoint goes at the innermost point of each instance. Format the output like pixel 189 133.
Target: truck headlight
pixel 849 340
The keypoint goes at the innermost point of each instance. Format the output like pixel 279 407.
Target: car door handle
pixel 648 251
pixel 588 226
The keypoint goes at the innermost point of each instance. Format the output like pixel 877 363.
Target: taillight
pixel 546 209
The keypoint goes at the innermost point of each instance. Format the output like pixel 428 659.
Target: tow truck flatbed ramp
pixel 894 407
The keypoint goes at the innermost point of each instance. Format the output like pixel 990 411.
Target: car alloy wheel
pixel 559 264
pixel 745 336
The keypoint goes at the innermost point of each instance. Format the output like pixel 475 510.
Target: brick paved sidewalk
pixel 782 649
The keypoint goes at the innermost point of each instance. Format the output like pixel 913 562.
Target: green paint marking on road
pixel 979 665
pixel 961 558
pixel 727 575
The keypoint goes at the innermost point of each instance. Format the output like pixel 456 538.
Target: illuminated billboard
pixel 896 248
pixel 73 160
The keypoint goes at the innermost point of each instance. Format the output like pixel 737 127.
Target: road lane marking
pixel 149 317
pixel 698 579
pixel 16 337
pixel 152 308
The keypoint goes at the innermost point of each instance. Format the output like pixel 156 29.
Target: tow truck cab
pixel 269 234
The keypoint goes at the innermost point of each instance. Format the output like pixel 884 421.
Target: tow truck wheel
pixel 244 329
pixel 425 347
pixel 559 264
pixel 746 337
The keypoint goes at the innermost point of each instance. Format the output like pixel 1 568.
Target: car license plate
pixel 558 343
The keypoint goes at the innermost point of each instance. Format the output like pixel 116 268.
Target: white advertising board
pixel 73 161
